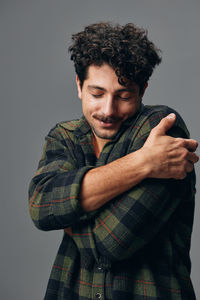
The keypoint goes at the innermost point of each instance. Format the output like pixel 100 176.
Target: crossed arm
pixel 133 218
pixel 160 156
pixel 59 193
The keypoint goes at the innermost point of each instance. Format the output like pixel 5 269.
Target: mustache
pixel 104 119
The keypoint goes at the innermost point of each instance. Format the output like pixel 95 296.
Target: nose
pixel 109 107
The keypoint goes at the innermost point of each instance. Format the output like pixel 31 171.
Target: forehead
pixel 104 76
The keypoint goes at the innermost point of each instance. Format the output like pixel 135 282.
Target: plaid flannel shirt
pixel 134 247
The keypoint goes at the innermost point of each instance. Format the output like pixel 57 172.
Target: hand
pixel 169 157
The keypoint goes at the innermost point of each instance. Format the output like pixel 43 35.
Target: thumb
pixel 165 124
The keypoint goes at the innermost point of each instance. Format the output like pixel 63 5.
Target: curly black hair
pixel 125 48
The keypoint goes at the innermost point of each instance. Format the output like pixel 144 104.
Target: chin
pixel 105 136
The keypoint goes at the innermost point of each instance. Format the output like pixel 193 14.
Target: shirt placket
pixel 98 283
pixel 100 269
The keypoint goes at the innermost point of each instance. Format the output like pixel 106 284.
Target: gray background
pixel 37 90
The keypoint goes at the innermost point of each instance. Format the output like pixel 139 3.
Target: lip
pixel 107 124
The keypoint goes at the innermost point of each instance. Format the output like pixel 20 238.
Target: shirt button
pixel 98 295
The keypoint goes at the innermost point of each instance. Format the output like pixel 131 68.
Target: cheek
pixel 129 108
pixel 91 106
pixel 89 109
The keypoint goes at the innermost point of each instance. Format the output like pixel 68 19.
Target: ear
pixel 78 87
pixel 145 86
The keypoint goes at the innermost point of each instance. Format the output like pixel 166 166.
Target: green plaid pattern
pixel 134 247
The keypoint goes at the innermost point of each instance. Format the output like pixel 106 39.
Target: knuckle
pixel 181 174
pixel 184 153
pixel 153 130
pixel 181 142
pixel 178 139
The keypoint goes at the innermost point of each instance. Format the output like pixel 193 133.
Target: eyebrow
pixel 117 91
pixel 96 87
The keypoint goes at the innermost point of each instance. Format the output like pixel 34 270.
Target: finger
pixel 165 124
pixel 189 167
pixel 182 176
pixel 190 144
pixel 192 157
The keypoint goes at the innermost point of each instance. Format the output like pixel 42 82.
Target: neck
pixel 98 145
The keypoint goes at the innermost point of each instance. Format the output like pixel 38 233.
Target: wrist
pixel 146 162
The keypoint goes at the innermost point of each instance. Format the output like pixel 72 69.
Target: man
pixel 119 181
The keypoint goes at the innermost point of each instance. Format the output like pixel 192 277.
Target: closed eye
pixel 97 96
pixel 124 98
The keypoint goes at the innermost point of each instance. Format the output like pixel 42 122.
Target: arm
pixel 54 190
pixel 160 157
pixel 131 220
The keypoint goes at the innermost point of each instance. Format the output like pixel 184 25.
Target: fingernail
pixel 171 116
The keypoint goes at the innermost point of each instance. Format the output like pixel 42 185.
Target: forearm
pixel 102 184
pixel 160 157
pixel 53 198
pixel 133 218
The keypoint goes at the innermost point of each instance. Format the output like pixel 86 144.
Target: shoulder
pixel 67 129
pixel 71 125
pixel 151 115
pixel 62 134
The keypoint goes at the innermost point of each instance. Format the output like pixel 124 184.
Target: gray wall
pixel 37 90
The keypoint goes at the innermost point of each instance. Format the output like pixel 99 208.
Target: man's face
pixel 106 104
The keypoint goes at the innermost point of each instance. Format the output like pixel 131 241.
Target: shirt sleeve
pixel 54 190
pixel 133 219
